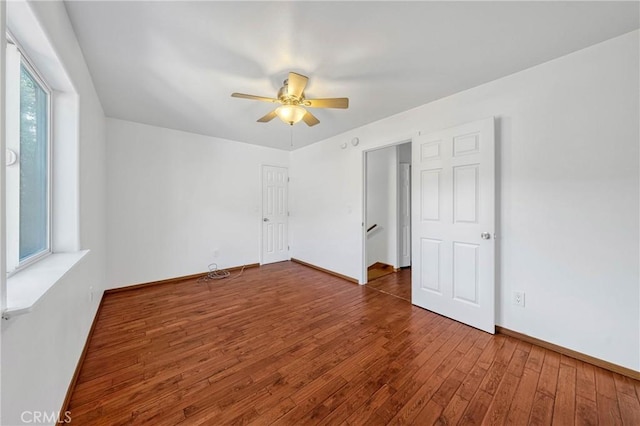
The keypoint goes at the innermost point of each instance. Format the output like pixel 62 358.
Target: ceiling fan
pixel 291 96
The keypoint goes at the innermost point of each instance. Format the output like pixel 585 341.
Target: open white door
pixel 453 196
pixel 275 214
pixel 404 215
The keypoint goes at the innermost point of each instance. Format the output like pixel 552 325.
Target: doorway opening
pixel 387 219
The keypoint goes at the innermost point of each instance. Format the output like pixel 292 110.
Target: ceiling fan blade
pixel 296 85
pixel 327 103
pixel 270 116
pixel 310 119
pixel 253 97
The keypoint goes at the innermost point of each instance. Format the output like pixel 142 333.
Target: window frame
pixel 14 264
pixel 22 290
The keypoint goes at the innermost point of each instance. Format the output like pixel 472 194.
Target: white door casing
pixel 404 215
pixel 453 249
pixel 275 214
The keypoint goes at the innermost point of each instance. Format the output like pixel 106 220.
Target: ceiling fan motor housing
pixel 287 99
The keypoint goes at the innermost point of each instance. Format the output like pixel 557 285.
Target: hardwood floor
pixel 379 270
pixel 285 344
pixel 397 284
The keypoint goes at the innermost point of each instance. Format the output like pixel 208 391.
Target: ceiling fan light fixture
pixel 290 114
pixel 291 97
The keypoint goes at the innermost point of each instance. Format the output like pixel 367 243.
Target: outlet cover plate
pixel 518 298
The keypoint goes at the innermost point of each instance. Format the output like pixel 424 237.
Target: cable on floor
pixel 218 274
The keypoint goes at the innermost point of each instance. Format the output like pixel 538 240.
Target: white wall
pixel 382 206
pixel 176 197
pixel 568 156
pixel 40 350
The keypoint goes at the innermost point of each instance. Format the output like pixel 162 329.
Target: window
pixel 42 186
pixel 28 179
pixel 34 167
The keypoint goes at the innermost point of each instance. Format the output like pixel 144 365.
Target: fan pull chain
pixel 291 133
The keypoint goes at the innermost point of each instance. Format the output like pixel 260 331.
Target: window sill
pixel 26 288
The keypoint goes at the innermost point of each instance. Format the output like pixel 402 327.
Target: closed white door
pixel 453 269
pixel 275 214
pixel 404 215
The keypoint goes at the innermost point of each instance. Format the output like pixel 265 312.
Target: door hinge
pixel 288 179
pixel 288 213
pixel 288 248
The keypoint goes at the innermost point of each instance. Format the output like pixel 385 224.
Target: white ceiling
pixel 175 63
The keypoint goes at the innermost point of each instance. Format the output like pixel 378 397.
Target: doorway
pixel 387 219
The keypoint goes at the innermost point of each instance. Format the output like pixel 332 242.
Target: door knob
pixel 485 236
pixel 266 219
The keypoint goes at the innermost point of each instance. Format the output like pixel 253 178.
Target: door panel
pixel 453 266
pixel 430 263
pixel 275 214
pixel 431 195
pixel 465 272
pixel 465 193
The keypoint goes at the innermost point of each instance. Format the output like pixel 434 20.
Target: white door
pixel 454 223
pixel 275 214
pixel 404 215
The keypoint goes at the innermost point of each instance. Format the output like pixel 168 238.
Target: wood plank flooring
pixel 285 344
pixel 397 284
pixel 378 270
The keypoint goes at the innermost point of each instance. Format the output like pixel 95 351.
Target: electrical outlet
pixel 518 298
pixel 216 253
